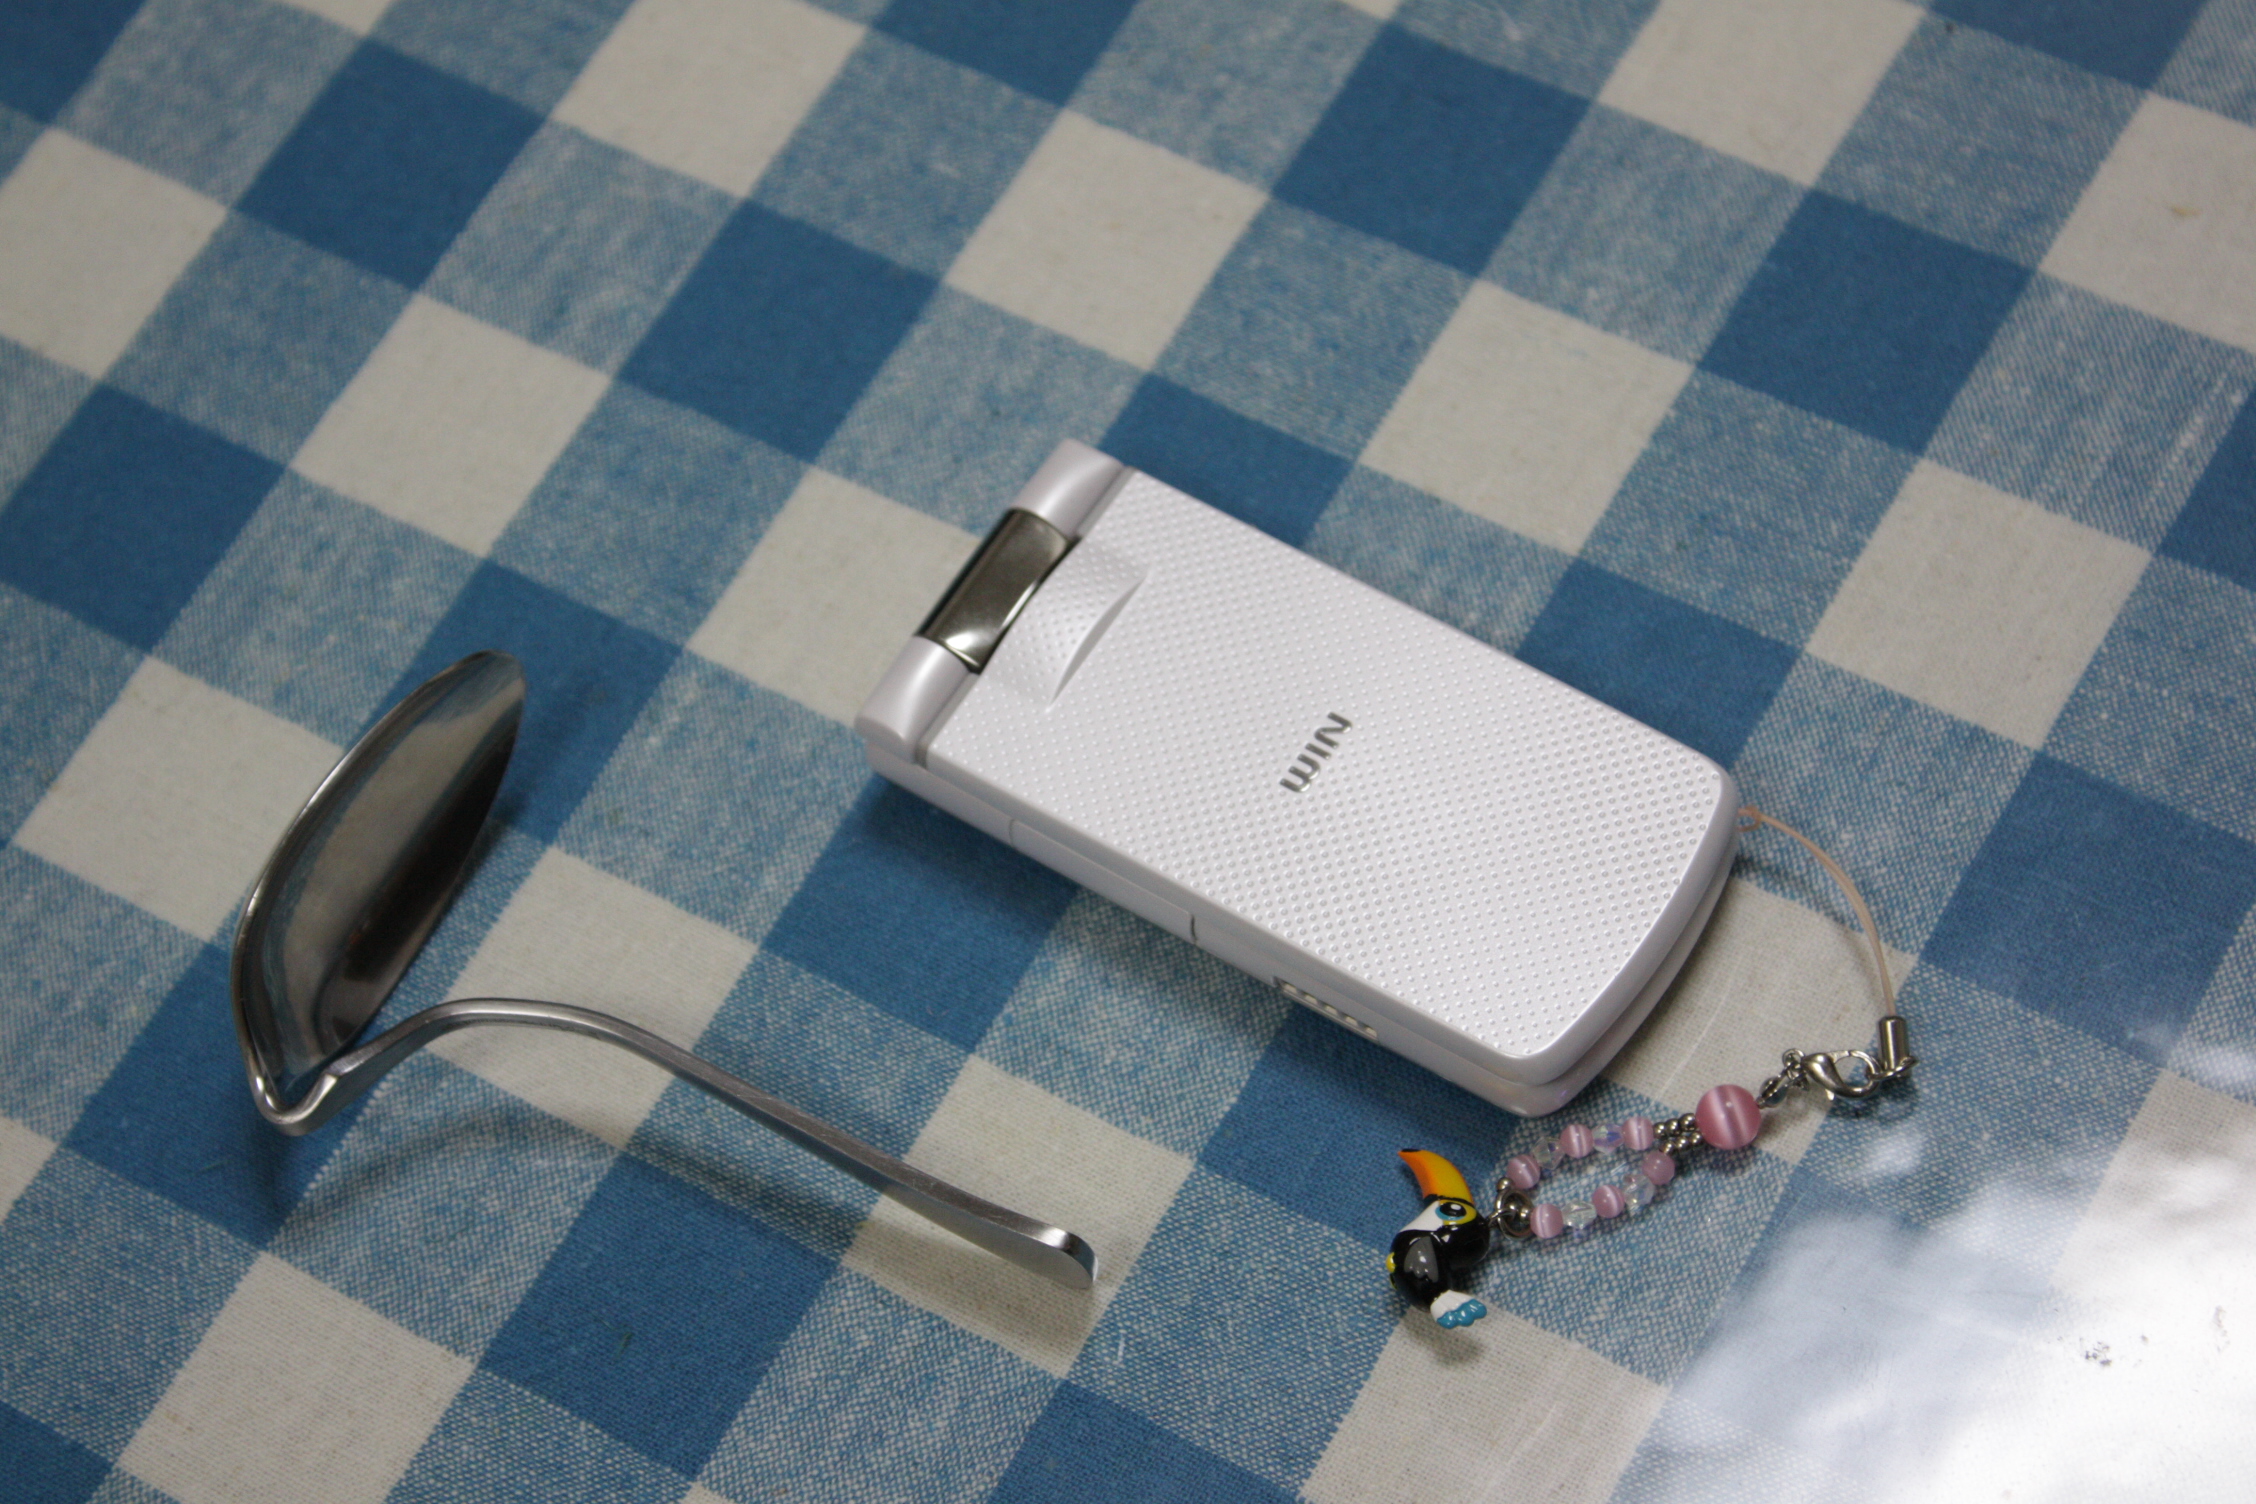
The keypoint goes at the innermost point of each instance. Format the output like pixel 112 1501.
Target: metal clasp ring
pixel 1869 1070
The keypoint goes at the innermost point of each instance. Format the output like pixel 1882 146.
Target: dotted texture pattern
pixel 1513 841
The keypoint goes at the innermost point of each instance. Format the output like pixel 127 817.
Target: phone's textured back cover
pixel 1480 843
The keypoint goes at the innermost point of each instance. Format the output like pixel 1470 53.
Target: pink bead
pixel 1608 1201
pixel 1522 1172
pixel 1657 1167
pixel 1637 1134
pixel 1548 1221
pixel 1728 1117
pixel 1574 1141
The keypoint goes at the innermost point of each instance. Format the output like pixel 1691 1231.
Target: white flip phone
pixel 1423 839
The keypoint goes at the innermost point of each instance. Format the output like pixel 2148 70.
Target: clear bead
pixel 1606 1137
pixel 1547 1156
pixel 1638 1193
pixel 1579 1214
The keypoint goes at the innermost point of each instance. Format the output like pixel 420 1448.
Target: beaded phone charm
pixel 1433 1257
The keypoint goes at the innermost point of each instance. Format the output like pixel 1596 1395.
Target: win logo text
pixel 1313 756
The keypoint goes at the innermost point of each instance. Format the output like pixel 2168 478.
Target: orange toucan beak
pixel 1436 1176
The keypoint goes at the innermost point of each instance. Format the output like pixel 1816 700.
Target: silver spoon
pixel 363 875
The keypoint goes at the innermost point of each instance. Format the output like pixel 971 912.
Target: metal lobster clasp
pixel 1857 1074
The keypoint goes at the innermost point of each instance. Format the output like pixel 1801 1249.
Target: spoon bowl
pixel 364 874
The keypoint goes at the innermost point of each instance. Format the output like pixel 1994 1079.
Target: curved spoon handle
pixel 1052 1252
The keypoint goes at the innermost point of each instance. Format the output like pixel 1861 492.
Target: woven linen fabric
pixel 1859 392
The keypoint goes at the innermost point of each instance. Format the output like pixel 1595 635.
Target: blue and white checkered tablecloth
pixel 1858 391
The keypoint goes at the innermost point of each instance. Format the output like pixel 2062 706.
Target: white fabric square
pixel 176 796
pixel 1525 416
pixel 1978 603
pixel 839 581
pixel 450 424
pixel 2153 1295
pixel 2168 224
pixel 89 245
pixel 1768 974
pixel 1503 1410
pixel 1383 9
pixel 1772 82
pixel 353 15
pixel 710 88
pixel 22 1152
pixel 1105 238
pixel 296 1391
pixel 575 934
pixel 1014 1143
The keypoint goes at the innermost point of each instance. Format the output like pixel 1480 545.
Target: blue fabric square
pixel 1643 233
pixel 648 513
pixel 1087 1448
pixel 1571 43
pixel 968 408
pixel 204 90
pixel 675 815
pixel 1903 794
pixel 2217 528
pixel 1747 508
pixel 1681 670
pixel 407 1216
pixel 778 330
pixel 1980 141
pixel 1149 1033
pixel 1311 328
pixel 587 676
pixel 2214 66
pixel 318 608
pixel 1862 319
pixel 1234 84
pixel 1486 581
pixel 1431 150
pixel 2099 907
pixel 1319 1123
pixel 1640 1291
pixel 176 1118
pixel 1041 47
pixel 1250 470
pixel 125 515
pixel 37 398
pixel 2032 1143
pixel 104 1292
pixel 579 246
pixel 657 1315
pixel 843 1057
pixel 871 1387
pixel 1264 1385
pixel 2129 42
pixel 821 1049
pixel 57 678
pixel 2214 1049
pixel 2167 707
pixel 17 132
pixel 918 913
pixel 258 336
pixel 497 1441
pixel 389 163
pixel 86 972
pixel 48 47
pixel 526 50
pixel 2100 413
pixel 44 1468
pixel 1933 1325
pixel 904 154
